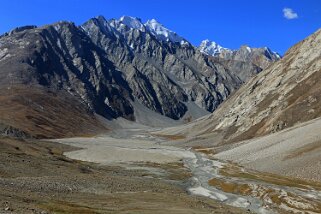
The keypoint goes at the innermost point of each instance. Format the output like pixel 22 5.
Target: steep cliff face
pixel 148 82
pixel 170 68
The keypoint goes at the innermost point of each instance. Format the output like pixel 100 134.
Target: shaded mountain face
pixel 285 94
pixel 262 57
pixel 107 65
pixel 59 58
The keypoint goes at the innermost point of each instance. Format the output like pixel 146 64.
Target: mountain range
pixel 261 57
pixel 118 68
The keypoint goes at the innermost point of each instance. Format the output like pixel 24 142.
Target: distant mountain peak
pixel 101 18
pixel 211 48
pixel 132 22
pixel 154 21
pixel 272 53
pixel 152 26
pixel 261 57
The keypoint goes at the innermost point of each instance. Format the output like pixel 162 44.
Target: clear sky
pixel 277 24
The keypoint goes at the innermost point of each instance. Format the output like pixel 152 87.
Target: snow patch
pixel 162 33
pixel 132 22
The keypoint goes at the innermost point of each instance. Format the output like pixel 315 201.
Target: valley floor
pixel 210 175
pixel 134 169
pixel 35 177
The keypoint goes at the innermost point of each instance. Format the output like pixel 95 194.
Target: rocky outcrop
pixel 9 131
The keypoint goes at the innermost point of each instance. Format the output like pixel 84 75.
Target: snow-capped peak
pixel 132 22
pixel 162 33
pixel 211 48
pixel 272 53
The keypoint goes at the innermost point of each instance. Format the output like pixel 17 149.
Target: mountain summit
pixel 132 22
pixel 211 48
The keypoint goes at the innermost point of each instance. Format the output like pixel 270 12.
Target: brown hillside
pixel 42 113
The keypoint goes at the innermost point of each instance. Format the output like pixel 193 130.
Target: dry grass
pixel 63 207
pixel 138 203
pixel 303 150
pixel 170 137
pixel 175 170
pixel 235 171
pixel 240 189
pixel 277 197
pixel 302 205
pixel 207 151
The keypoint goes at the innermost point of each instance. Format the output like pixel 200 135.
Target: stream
pixel 226 182
pixel 260 197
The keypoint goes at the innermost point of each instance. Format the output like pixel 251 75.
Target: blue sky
pixel 230 23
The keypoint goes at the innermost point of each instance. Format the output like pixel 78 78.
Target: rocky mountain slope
pixel 285 94
pixel 110 67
